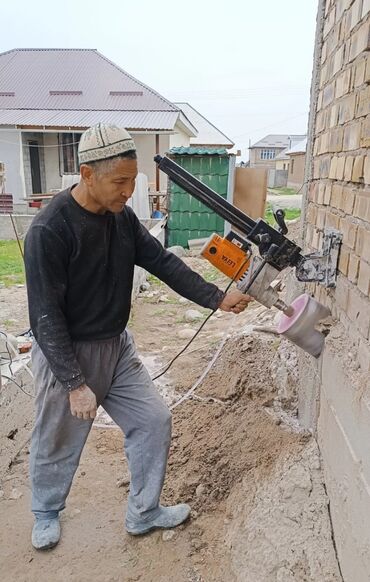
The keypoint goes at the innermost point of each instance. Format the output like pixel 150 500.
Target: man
pixel 80 254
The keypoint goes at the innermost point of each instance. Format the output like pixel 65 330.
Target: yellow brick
pixel 328 95
pixel 358 169
pixel 337 60
pixel 336 139
pixel 336 196
pixel 349 230
pixel 320 121
pixel 359 72
pixel 348 200
pixel 340 167
pixel 355 13
pixel 320 193
pixel 332 117
pixel 363 243
pixel 364 277
pixel 359 41
pixel 332 220
pixel 352 134
pixel 367 170
pixel 362 201
pixel 363 102
pixel 324 143
pixel 348 168
pixel 343 260
pixel 342 83
pixel 367 71
pixel 365 133
pixel 327 194
pixel 320 218
pixel 353 266
pixel 347 109
pixel 333 168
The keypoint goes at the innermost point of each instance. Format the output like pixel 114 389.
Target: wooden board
pixel 250 191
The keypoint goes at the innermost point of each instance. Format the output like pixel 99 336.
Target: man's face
pixel 111 190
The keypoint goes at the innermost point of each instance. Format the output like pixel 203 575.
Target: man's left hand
pixel 235 301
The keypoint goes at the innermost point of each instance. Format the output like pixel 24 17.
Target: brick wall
pixel 339 192
pixel 334 392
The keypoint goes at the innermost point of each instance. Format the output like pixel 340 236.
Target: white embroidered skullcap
pixel 103 141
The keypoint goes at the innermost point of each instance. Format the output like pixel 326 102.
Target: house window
pixel 68 148
pixel 267 154
pixel 291 165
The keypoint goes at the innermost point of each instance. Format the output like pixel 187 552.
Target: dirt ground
pixel 232 458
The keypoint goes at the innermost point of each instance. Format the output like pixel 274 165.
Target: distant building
pixel 263 153
pixel 297 157
pixel 208 134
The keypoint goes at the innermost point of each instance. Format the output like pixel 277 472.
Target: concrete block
pixel 358 312
pixel 344 439
pixel 364 278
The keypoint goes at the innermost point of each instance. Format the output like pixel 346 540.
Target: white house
pixel 48 97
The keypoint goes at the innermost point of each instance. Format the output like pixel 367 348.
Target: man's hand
pixel 235 301
pixel 83 402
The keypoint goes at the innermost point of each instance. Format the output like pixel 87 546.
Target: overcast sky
pixel 245 65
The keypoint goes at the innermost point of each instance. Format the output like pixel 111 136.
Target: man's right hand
pixel 83 402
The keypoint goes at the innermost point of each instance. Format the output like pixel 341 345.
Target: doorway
pixel 35 166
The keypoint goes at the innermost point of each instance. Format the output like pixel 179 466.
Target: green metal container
pixel 188 218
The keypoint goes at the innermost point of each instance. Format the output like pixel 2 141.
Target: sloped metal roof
pixel 199 151
pixel 71 87
pixel 141 120
pixel 208 134
pixel 278 141
pixel 299 148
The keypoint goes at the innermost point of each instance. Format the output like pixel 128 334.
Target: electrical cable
pixel 168 366
pixel 17 384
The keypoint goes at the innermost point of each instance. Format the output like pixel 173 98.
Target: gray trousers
pixel 124 389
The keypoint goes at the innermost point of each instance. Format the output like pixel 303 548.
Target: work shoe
pixel 168 517
pixel 45 533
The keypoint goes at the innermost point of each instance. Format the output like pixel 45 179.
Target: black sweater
pixel 80 268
